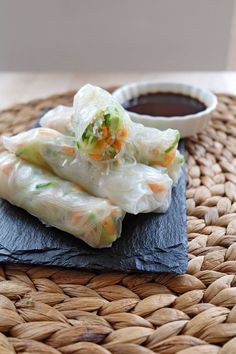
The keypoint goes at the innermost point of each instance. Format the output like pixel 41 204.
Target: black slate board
pixel 149 242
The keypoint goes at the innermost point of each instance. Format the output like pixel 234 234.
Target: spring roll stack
pixel 145 145
pixel 88 165
pixel 137 188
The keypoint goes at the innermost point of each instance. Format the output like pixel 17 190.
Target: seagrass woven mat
pixel 51 310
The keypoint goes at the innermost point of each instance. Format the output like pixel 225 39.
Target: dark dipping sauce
pixel 165 104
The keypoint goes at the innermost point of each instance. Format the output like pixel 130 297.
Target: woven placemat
pixel 51 310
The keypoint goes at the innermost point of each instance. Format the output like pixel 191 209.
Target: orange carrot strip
pixel 157 188
pixel 68 150
pixel 95 155
pixel 108 225
pixel 105 131
pixel 75 218
pixel 102 144
pixel 169 157
pixel 123 133
pixel 117 144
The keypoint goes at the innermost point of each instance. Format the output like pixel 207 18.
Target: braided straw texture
pixel 52 310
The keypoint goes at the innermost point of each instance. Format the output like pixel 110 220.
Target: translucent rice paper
pixel 59 118
pixel 59 203
pixel 135 188
pixel 148 144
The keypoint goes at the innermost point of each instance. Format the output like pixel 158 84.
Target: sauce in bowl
pixel 166 104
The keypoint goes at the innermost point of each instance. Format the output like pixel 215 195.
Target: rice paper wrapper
pixel 148 145
pixel 60 119
pixel 134 187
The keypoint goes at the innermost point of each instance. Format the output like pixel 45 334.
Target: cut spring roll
pixel 101 125
pixel 59 203
pixel 135 188
pixel 149 146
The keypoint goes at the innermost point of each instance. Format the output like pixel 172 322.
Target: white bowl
pixel 187 125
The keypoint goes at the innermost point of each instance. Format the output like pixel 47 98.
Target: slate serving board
pixel 149 242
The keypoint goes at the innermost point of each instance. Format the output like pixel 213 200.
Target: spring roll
pixel 59 203
pixel 135 188
pixel 92 119
pixel 60 119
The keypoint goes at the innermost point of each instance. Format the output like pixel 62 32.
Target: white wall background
pixel 114 35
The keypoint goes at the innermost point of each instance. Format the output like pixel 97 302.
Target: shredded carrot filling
pixel 157 188
pixel 75 218
pixel 117 144
pixel 68 150
pixel 95 155
pixel 105 131
pixel 108 225
pixel 102 144
pixel 169 158
pixel 123 133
